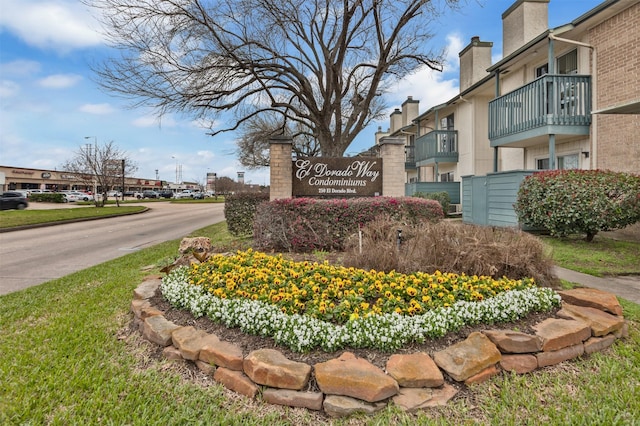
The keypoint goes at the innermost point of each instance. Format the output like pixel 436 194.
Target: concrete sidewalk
pixel 627 287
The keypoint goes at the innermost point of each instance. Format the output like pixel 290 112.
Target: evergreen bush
pixel 47 197
pixel 568 202
pixel 442 197
pixel 240 210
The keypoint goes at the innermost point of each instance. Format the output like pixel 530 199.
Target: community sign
pixel 337 177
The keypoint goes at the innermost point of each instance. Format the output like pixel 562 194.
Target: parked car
pixel 185 193
pixel 24 192
pixel 198 196
pixel 167 193
pixel 13 200
pixel 70 197
pixel 114 194
pixel 40 191
pixel 81 196
pixel 150 194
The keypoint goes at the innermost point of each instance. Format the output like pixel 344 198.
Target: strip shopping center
pixel 18 178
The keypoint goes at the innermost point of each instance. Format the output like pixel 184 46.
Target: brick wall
pixel 392 153
pixel 617 52
pixel 281 169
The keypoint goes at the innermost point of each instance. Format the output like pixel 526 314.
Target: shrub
pixel 450 247
pixel 442 197
pixel 568 202
pixel 306 224
pixel 47 197
pixel 240 210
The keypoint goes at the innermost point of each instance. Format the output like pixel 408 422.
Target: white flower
pixel 386 331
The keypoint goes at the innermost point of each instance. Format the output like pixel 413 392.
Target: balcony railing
pixel 437 146
pixel 409 157
pixel 559 104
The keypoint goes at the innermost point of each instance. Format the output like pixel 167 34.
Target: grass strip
pixel 15 218
pixel 600 257
pixel 66 358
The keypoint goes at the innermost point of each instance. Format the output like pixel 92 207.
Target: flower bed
pixel 307 305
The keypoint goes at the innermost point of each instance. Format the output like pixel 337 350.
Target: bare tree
pixel 226 185
pixel 253 143
pixel 102 167
pixel 322 64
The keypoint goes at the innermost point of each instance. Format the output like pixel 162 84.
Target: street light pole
pixel 93 161
pixel 123 160
pixel 176 181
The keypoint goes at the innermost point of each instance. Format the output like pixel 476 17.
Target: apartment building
pixel 569 97
pixel 560 98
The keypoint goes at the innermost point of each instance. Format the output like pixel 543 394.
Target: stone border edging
pixel 589 321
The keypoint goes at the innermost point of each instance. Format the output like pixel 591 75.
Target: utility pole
pixel 123 160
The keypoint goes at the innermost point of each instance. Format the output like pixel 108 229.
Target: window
pixel 542 70
pixel 542 164
pixel 446 123
pixel 564 162
pixel 446 177
pixel 568 63
pixel 446 142
pixel 568 162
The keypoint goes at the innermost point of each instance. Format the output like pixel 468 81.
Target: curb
pixel 63 222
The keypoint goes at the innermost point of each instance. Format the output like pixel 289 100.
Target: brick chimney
pixel 409 110
pixel 474 61
pixel 396 120
pixel 522 22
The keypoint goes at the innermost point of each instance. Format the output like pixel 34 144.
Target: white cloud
pixel 98 109
pixel 452 58
pixel 205 155
pixel 205 124
pixel 153 121
pixel 431 87
pixel 60 81
pixel 20 68
pixel 8 89
pixel 61 25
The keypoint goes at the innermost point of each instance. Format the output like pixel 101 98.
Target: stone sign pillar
pixel 281 167
pixel 393 174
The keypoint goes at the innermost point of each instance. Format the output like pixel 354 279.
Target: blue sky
pixel 49 103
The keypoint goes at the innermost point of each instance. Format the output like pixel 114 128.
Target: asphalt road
pixel 33 256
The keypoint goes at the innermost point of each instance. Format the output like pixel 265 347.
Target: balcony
pixel 409 157
pixel 437 146
pixel 551 104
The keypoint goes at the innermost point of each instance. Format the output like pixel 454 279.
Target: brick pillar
pixel 393 174
pixel 280 167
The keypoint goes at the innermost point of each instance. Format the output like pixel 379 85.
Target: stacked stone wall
pixel 590 320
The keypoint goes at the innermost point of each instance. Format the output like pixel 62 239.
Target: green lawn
pixel 600 257
pixel 13 218
pixel 67 357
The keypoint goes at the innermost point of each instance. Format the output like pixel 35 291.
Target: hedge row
pixel 307 224
pixel 240 209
